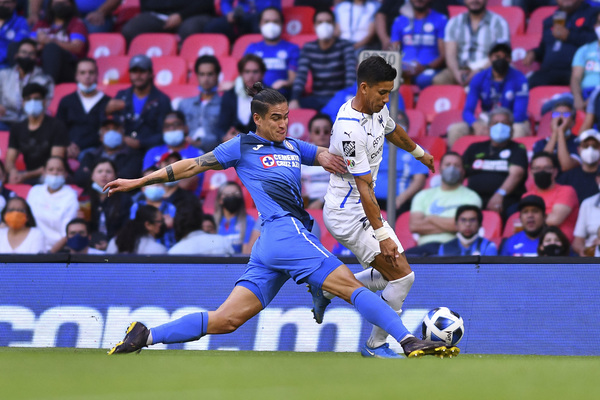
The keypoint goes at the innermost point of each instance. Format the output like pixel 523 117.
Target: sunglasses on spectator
pixel 557 114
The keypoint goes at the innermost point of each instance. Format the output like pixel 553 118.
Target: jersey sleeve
pixel 397 28
pixel 228 154
pixel 308 152
pixel 451 31
pixel 441 23
pixel 352 147
pixel 390 125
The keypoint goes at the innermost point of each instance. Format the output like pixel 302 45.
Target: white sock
pixel 149 340
pixel 394 294
pixel 369 277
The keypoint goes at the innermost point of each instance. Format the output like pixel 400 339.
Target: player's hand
pixel 427 161
pixel 389 250
pixel 332 163
pixel 121 185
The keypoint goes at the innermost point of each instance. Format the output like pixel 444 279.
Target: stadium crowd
pixel 504 94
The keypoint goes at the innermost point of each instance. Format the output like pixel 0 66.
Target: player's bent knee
pixel 342 283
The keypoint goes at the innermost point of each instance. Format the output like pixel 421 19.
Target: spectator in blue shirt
pixel 497 86
pixel 532 213
pixel 468 220
pixel 421 40
pixel 241 19
pixel 280 56
pixel 13 29
pixel 585 70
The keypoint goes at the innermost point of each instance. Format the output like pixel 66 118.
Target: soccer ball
pixel 443 325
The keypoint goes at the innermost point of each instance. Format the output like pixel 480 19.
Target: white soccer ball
pixel 443 325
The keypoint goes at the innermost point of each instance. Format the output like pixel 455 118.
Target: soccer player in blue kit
pixel 268 164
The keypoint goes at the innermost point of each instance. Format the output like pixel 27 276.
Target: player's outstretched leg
pixel 136 337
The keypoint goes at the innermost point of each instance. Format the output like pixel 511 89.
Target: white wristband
pixel 381 234
pixel 418 152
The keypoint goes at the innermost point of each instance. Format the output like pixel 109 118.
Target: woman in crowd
pixel 139 235
pixel 20 236
pixel 553 242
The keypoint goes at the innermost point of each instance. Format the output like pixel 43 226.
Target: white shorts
pixel 350 227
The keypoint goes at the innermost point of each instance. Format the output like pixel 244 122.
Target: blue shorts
pixel 286 249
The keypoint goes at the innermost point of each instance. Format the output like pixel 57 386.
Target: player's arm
pixel 179 170
pixel 400 138
pixel 331 163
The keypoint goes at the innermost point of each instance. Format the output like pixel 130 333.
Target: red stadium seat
pixel 539 95
pixel 513 224
pixel 105 45
pixel 464 142
pixel 112 90
pixel 301 39
pixel 60 91
pixel 326 238
pixel 169 70
pixel 199 44
pixel 439 98
pixel 536 20
pixel 287 3
pixel 213 179
pixel 298 123
pixel 417 123
pixel 179 92
pixel 408 95
pixel 441 122
pixel 229 71
pixel 402 229
pixel 514 16
pixel 208 203
pixel 114 69
pixel 240 45
pixel 20 189
pixel 3 144
pixel 453 11
pixel 153 45
pixel 521 44
pixel 298 20
pixel 436 146
pixel 492 225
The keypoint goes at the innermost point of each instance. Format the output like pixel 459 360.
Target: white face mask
pixel 597 29
pixel 590 155
pixel 324 31
pixel 270 30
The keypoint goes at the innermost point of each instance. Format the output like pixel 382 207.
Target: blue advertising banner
pixel 507 308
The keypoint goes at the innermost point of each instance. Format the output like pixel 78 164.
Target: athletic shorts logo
pixel 349 148
pixel 267 161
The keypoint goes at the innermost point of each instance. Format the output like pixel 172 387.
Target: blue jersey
pixel 520 245
pixel 278 58
pixel 249 6
pixel 406 167
pixel 12 31
pixel 480 247
pixel 419 37
pixel 271 173
pixel 231 230
pixel 511 93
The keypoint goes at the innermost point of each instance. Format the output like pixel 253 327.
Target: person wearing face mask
pixel 585 70
pixel 561 201
pixel 468 220
pixel 553 243
pixel 532 214
pixel 140 234
pixel 37 138
pixel 583 177
pixel 233 222
pixel 497 86
pixel 53 203
pixel 62 39
pixel 588 224
pixel 78 238
pixel 330 60
pixel 12 81
pixel 13 29
pixel 433 210
pixel 497 168
pixel 20 235
pixel 314 178
pixel 83 110
pixel 280 56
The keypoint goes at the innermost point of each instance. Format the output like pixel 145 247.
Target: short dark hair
pixel 78 221
pixel 564 241
pixel 207 59
pixel 469 207
pixel 27 41
pixel 30 218
pixel 318 116
pixel 87 59
pixel 374 70
pixel 323 10
pixel 503 47
pixel 271 8
pixel 263 98
pixel 32 88
pixel 551 156
pixel 564 101
pixel 180 116
pixel 251 57
pixel 188 218
pixel 450 153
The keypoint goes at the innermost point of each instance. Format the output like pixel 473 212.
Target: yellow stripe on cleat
pixel 453 351
pixel 115 348
pixel 130 327
pixel 416 354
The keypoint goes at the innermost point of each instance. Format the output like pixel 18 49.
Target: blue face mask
pixel 173 138
pixel 112 139
pixel 154 193
pixel 98 188
pixel 500 132
pixel 54 182
pixel 78 242
pixel 86 89
pixel 33 107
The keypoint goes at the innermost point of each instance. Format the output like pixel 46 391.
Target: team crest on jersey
pixel 349 148
pixel 288 145
pixel 267 161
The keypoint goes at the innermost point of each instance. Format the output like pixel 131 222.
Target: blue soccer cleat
pixel 320 303
pixel 382 351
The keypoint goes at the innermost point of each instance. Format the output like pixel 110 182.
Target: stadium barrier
pixel 509 305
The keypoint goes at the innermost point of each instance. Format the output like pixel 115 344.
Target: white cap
pixel 590 133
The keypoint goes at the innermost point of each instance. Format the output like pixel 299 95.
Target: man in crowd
pixel 13 29
pixel 78 238
pixel 532 213
pixel 588 224
pixel 583 177
pixel 468 242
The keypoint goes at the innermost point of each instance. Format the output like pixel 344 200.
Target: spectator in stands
pixel 53 203
pixel 5 194
pixel 585 70
pixel 202 112
pixel 433 210
pixel 208 224
pixel 313 177
pixel 588 224
pixel 20 235
pixel 192 240
pixel 13 29
pixel 561 37
pixel 497 86
pixel 12 81
pixel 553 243
pixel 497 168
pixel 468 39
pixel 142 107
pixel 242 19
pixel 468 220
pixel 61 38
pixel 355 22
pixel 238 118
pixel 280 56
pixel 183 17
pixel 421 40
pixel 78 238
pixel 561 201
pixel 179 192
pixel 532 213
pixel 583 177
pixel 37 138
pixel 83 110
pixel 138 235
pixel 561 141
pixel 232 220
pixel 330 60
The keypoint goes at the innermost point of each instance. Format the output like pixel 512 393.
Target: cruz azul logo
pixel 280 160
pixel 267 161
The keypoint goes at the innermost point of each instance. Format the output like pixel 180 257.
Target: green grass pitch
pixel 91 374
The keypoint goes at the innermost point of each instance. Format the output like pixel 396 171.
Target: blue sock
pixel 185 329
pixel 377 312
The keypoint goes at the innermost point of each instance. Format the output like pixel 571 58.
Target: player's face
pixel 274 125
pixel 467 223
pixel 377 96
pixel 320 132
pixel 532 218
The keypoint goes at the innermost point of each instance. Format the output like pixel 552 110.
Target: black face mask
pixel 63 11
pixel 25 63
pixel 552 250
pixel 543 179
pixel 233 203
pixel 501 66
pixel 5 13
